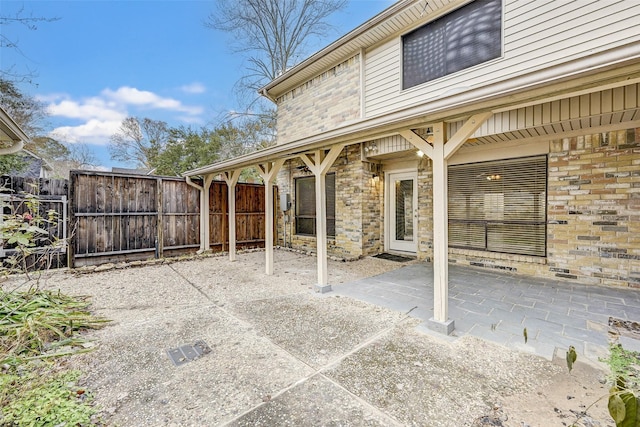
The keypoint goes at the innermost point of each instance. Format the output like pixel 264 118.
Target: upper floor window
pixel 461 39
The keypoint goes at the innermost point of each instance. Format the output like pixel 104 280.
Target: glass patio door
pixel 403 211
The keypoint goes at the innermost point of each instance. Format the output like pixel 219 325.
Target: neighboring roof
pixel 34 165
pixel 10 134
pixel 389 22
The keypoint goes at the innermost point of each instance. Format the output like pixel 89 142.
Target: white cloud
pixel 101 115
pixel 93 132
pixel 132 96
pixel 194 88
pixel 92 108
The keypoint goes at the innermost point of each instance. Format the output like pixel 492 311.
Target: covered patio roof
pixel 469 110
pixel 12 138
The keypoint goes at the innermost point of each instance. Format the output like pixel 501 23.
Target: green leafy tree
pixel 29 113
pixel 187 148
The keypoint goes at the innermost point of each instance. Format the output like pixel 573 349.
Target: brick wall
pixel 359 219
pixel 594 208
pixel 320 104
pixel 593 214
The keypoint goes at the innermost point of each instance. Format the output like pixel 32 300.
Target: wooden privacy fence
pixel 38 197
pixel 115 217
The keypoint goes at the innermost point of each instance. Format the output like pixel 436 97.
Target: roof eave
pixel 342 41
pixel 10 128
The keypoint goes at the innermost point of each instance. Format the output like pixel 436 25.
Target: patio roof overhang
pixel 11 136
pixel 617 67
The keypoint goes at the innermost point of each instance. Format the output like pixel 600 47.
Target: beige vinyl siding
pixel 537 34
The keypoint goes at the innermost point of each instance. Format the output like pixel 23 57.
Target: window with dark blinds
pixel 499 206
pixel 306 205
pixel 461 39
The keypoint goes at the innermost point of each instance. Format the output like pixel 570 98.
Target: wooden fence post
pixel 160 220
pixel 71 218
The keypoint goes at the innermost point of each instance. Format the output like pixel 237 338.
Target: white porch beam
pixel 268 172
pixel 231 178
pixel 319 162
pixel 418 142
pixel 468 128
pixel 440 320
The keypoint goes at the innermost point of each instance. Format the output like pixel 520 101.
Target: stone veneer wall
pixel 425 209
pixel 593 214
pixel 359 218
pixel 321 103
pixel 594 208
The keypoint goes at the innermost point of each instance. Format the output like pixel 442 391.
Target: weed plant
pixel 37 329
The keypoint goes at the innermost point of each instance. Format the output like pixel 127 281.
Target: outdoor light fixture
pixel 420 154
pixel 494 177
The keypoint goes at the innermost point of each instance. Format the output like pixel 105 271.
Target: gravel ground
pixel 282 355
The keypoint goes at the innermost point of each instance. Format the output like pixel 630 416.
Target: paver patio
pixel 498 306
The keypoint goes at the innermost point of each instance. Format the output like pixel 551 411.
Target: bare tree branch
pixel 138 141
pixel 273 34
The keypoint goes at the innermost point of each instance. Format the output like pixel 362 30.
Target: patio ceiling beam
pixel 319 163
pixel 417 141
pixel 464 133
pixel 268 171
pixel 231 178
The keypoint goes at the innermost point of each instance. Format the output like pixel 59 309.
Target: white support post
pixel 268 172
pixel 440 233
pixel 231 178
pixel 319 164
pixel 203 217
pixel 205 243
pixel 439 152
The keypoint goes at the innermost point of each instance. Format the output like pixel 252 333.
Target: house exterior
pixel 502 134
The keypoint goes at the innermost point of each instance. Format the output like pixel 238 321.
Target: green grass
pixel 36 323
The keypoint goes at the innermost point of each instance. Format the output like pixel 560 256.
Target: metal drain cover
pixel 187 353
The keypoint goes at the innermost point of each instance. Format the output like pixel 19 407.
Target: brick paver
pixel 498 306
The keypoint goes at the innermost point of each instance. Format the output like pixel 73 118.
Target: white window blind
pixel 499 206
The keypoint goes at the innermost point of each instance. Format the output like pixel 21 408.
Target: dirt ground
pixel 282 355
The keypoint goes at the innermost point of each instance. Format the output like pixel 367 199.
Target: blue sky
pixel 105 60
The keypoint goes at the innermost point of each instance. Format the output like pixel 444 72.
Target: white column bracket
pixel 319 162
pixel 439 151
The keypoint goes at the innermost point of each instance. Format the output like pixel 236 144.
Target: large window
pixel 461 39
pixel 306 205
pixel 499 206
